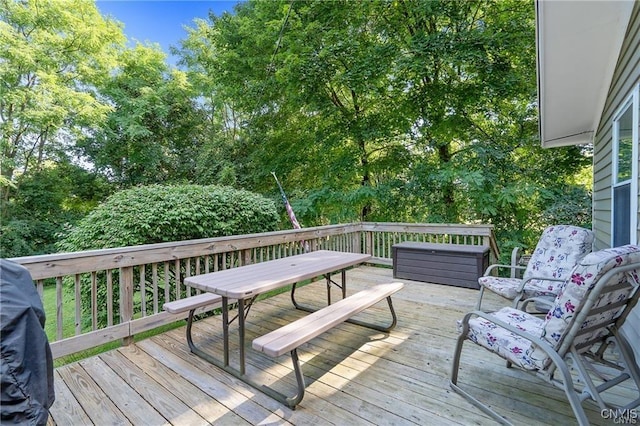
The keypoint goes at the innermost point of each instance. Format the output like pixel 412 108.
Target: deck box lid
pixel 442 248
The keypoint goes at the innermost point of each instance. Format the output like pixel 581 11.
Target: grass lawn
pixel 68 322
pixel 68 328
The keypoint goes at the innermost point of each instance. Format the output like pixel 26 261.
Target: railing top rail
pixel 60 264
pixel 57 264
pixel 444 228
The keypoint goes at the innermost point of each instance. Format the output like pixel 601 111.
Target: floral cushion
pixel 505 343
pixel 574 294
pixel 505 287
pixel 560 247
pixel 555 326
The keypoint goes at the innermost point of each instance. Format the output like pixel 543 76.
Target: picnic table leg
pixel 241 333
pixel 295 400
pixel 329 281
pixel 225 329
pixel 394 320
pixel 328 278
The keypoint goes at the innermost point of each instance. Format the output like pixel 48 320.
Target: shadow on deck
pixel 354 375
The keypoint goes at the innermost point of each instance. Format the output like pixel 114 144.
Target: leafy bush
pixel 154 214
pixel 26 238
pixel 42 203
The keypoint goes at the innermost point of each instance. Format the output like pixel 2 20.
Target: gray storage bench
pixel 451 264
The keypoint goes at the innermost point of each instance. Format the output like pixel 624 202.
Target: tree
pixel 53 54
pixel 310 85
pixel 153 133
pixel 406 110
pixel 50 199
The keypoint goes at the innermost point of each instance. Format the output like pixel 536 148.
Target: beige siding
pixel 626 77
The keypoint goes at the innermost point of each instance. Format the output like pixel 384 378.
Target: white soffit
pixel 578 44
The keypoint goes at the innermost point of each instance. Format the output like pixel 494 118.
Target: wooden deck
pixel 354 375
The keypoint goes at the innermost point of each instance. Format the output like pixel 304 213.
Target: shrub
pixel 154 214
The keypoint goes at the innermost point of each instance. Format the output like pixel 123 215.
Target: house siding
pixel 625 79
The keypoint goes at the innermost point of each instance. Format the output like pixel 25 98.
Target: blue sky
pixel 160 21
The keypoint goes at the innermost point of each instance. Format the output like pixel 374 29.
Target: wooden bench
pixel 202 302
pixel 289 337
pixel 207 301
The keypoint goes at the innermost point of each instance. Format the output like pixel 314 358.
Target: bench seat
pixel 193 302
pixel 290 336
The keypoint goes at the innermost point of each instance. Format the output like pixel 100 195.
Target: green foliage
pixel 154 132
pixel 23 237
pixel 570 205
pixel 412 110
pixel 153 214
pixel 399 111
pixel 44 202
pixel 53 54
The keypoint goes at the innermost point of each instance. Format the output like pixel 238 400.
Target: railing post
pixel 368 241
pixel 245 257
pixel 126 299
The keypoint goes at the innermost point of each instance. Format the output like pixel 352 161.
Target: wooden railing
pixel 117 293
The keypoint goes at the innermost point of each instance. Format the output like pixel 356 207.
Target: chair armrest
pixel 497 265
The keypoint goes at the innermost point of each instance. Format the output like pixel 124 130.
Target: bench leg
pixel 295 400
pixel 289 401
pixel 329 282
pixel 394 320
pixel 189 324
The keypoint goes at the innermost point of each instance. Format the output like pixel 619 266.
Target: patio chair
pixel 579 332
pixel 559 249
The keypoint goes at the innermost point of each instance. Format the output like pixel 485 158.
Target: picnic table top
pixel 248 281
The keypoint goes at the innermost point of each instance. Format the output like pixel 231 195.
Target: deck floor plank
pixel 95 403
pixel 190 395
pixel 354 375
pixel 122 393
pixel 67 409
pixel 164 401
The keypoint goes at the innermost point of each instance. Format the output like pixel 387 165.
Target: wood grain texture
pixel 355 375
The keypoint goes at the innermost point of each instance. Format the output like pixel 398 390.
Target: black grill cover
pixel 27 365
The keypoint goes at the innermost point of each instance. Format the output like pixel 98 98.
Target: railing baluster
pixel 59 308
pixel 78 300
pixel 143 291
pixel 187 274
pixel 154 284
pixel 126 299
pixel 94 301
pixel 109 297
pixel 176 274
pixel 167 282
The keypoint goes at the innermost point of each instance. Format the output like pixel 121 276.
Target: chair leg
pixel 479 303
pixel 453 383
pixel 627 371
pixel 567 383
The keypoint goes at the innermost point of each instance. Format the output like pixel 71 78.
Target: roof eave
pixel 577 45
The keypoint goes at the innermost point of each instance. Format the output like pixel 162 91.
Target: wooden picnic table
pixel 245 283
